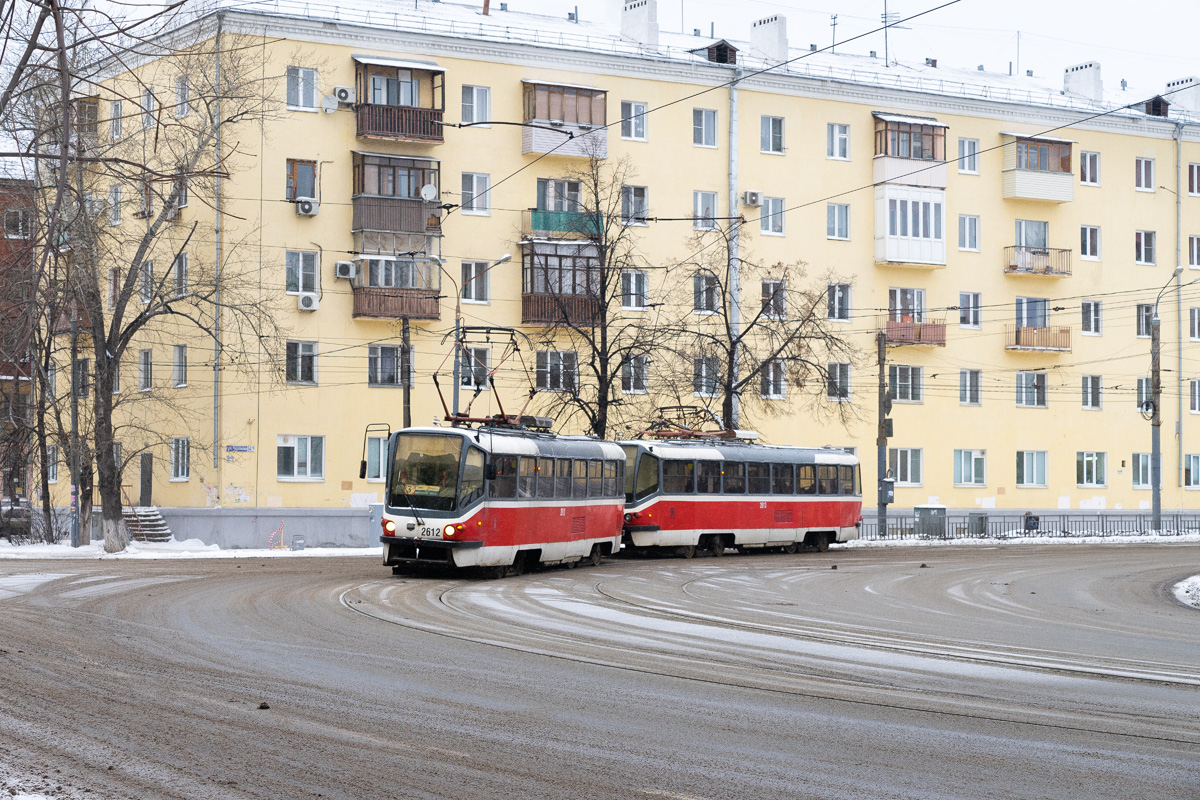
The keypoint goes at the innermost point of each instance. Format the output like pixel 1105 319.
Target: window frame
pixel 1092 318
pixel 476 282
pixel 970 387
pixel 630 281
pixel 970 308
pixel 773 385
pixel 1144 320
pixel 699 221
pixel 632 118
pixel 968 229
pixel 300 363
pixel 309 476
pixel 837 140
pixel 1090 243
pixel 1040 469
pixel 476 201
pixel 706 293
pixel 179 366
pixel 1145 243
pixel 1145 174
pixel 771 220
pixel 473 363
pixel 554 374
pixel 968 156
pixel 837 302
pixel 377 447
pixel 705 372
pixel 906 384
pixel 292 167
pixel 1139 467
pixel 837 221
pixel 402 358
pixel 1089 175
pixel 768 135
pixel 1099 468
pixel 1031 383
pixel 634 211
pixel 1093 392
pixel 300 270
pixel 704 128
pixel 976 460
pixel 476 93
pixel 146 369
pixel 838 385
pixel 901 461
pixel 635 374
pixel 180 459
pixel 300 75
pixel 774 298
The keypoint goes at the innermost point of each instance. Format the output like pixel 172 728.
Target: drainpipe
pixel 735 288
pixel 1179 387
pixel 217 266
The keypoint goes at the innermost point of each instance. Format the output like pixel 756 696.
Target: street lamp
pixel 1155 413
pixel 458 316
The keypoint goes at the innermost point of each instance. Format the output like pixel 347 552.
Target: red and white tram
pixel 707 494
pixel 500 497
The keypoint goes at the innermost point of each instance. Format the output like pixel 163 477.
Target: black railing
pixel 1012 525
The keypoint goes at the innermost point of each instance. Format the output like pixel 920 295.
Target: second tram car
pixel 503 498
pixel 706 494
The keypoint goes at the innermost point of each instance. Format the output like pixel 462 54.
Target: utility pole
pixel 884 431
pixel 75 378
pixel 1155 427
pixel 833 24
pixel 406 366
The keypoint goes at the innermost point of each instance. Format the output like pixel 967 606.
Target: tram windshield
pixel 643 481
pixel 425 467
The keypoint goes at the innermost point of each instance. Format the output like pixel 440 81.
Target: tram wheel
pixel 597 555
pixel 716 546
pixel 790 548
pixel 686 551
pixel 820 542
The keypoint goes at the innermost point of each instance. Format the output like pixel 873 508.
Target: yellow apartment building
pixel 1007 235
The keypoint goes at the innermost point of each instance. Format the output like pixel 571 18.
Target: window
pixel 774 299
pixel 148 107
pixel 183 92
pixel 1194 388
pixel 633 120
pixel 837 386
pixel 114 120
pixel 1091 317
pixel 910 140
pixel 181 191
pixel 837 298
pixel 904 383
pixel 1194 252
pixel 1091 392
pixel 705 293
pixel 301 362
pixel 145 370
pixel 382 176
pixel 114 287
pixel 81 378
pixel 181 456
pixel 147 205
pixel 556 371
pixel 905 465
pixel 968 232
pixel 704 211
pixel 389 365
pixel 906 305
pixel 1043 156
pixel 771 220
pixel 635 375
pixel 17 224
pixel 52 463
pixel 634 294
pixel 1143 247
pixel 179 269
pixel 1032 312
pixel 1031 468
pixel 146 282
pixel 473 367
pixel 1145 312
pixel 52 381
pixel 771 135
pixel 395 87
pixel 301 269
pixel 1194 179
pixel 475 284
pixel 1089 469
pixel 476 105
pixel 475 197
pixel 302 88
pixel 1031 389
pixel 301 179
pixel 837 141
pixel 558 195
pixel 1191 471
pixel 1089 242
pixel 774 379
pixel 634 208
pixel 398 273
pixel 969 310
pixel 179 366
pixel 1144 398
pixel 1141 470
pixel 1194 324
pixel 377 459
pixel 574 105
pixel 1143 174
pixel 300 457
pixel 116 373
pixel 915 219
pixel 969 383
pixel 968 156
pixel 970 467
pixel 704 376
pixel 704 127
pixel 114 205
pixel 1089 169
pixel 837 221
pixel 560 268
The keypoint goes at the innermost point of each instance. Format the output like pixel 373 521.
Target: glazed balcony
pixel 554 309
pixel 1055 338
pixel 906 331
pixel 1051 262
pixel 380 302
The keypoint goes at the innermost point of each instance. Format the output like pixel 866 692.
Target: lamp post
pixel 1156 415
pixel 458 317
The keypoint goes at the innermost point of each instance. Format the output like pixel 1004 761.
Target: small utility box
pixel 297 542
pixel 930 521
pixel 977 523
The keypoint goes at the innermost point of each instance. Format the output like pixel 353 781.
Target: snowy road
pixel 1048 672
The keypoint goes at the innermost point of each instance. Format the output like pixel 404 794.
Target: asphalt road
pixel 958 672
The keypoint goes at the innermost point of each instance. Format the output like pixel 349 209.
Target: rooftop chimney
pixel 768 38
pixel 931 62
pixel 639 21
pixel 1084 80
pixel 1185 93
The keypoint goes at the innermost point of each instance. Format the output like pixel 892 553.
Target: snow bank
pixel 190 548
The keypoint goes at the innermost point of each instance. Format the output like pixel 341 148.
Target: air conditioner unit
pixel 308 301
pixel 345 269
pixel 307 207
pixel 752 198
pixel 345 95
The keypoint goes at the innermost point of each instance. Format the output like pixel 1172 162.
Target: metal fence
pixel 980 525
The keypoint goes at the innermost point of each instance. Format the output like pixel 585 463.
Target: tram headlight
pixel 629 517
pixel 389 527
pixel 448 530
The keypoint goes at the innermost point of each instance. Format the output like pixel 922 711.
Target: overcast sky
pixel 1146 43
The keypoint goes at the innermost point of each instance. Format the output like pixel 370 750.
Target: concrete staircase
pixel 145 524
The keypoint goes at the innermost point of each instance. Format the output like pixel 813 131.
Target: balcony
pixel 553 309
pixel 395 215
pixel 402 123
pixel 905 331
pixel 378 302
pixel 1048 261
pixel 561 224
pixel 1055 338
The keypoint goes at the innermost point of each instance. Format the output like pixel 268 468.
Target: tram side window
pixel 505 482
pixel 545 477
pixel 708 477
pixel 527 477
pixel 677 475
pixel 647 477
pixel 471 488
pixel 827 479
pixel 846 479
pixel 806 479
pixel 782 481
pixel 579 475
pixel 610 478
pixel 595 479
pixel 734 477
pixel 759 477
pixel 562 481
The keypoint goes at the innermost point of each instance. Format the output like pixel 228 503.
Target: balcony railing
pixel 1050 337
pixel 551 309
pixel 379 302
pixel 1051 261
pixel 927 332
pixel 395 215
pixel 562 224
pixel 400 122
